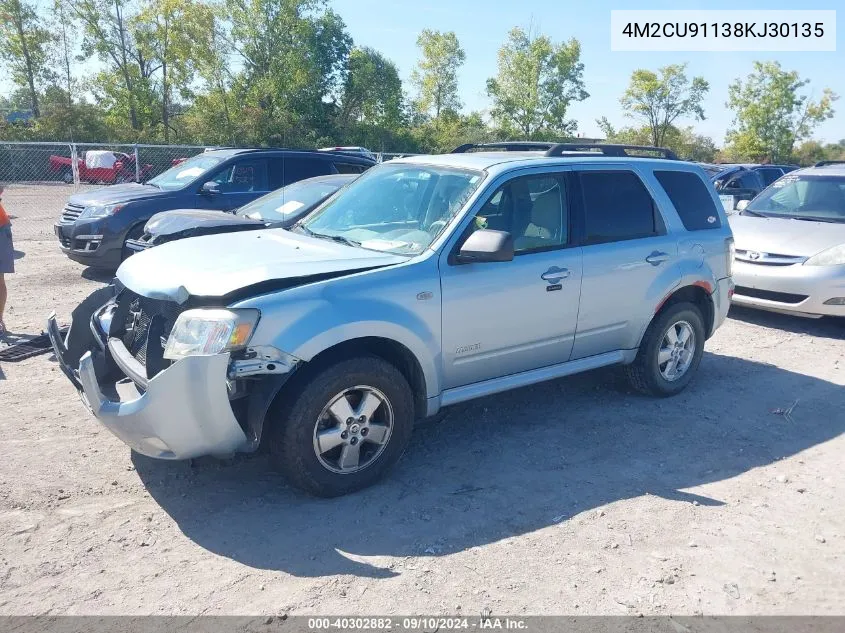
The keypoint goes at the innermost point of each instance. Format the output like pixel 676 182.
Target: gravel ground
pixel 571 497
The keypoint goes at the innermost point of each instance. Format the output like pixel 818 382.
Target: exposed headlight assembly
pixel 831 257
pixel 100 210
pixel 205 331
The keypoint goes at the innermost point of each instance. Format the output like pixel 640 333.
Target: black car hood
pixel 117 193
pixel 195 221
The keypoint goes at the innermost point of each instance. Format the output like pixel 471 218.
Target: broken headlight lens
pixel 203 331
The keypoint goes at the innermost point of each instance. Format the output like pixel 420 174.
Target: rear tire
pixel 362 402
pixel 665 347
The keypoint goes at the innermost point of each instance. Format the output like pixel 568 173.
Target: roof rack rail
pixel 609 149
pixel 505 146
pixel 823 163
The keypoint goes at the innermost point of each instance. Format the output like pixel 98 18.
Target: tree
pixel 372 90
pixel 107 33
pixel 810 152
pixel 436 74
pixel 659 100
pixel 293 54
pixel 173 34
pixel 536 82
pixel 770 115
pixel 24 47
pixel 683 141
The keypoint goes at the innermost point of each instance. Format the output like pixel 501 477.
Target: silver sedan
pixel 790 245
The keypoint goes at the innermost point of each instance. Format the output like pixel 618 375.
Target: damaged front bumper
pixel 185 410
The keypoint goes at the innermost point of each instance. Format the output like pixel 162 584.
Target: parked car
pixel 742 182
pixel 99 167
pixel 355 150
pixel 426 282
pixel 96 226
pixel 278 209
pixel 790 245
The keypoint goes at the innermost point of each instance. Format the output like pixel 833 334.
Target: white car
pixel 790 245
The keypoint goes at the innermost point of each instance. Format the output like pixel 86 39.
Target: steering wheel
pixel 436 227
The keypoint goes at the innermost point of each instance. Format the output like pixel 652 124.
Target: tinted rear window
pixel 616 207
pixel 350 168
pixel 691 199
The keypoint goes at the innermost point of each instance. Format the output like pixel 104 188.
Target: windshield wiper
pixel 337 238
pixel 812 219
pixel 753 213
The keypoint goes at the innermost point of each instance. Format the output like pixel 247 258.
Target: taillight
pixel 731 254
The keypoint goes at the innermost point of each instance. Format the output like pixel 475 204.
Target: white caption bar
pixel 723 30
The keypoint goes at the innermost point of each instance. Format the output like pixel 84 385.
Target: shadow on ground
pixel 18 254
pixel 506 465
pixel 102 275
pixel 826 327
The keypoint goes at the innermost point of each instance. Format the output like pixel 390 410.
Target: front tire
pixel 341 428
pixel 670 352
pixel 134 233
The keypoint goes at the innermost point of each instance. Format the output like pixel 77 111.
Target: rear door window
pixel 617 207
pixel 691 199
pixel 350 168
pixel 298 168
pixel 769 174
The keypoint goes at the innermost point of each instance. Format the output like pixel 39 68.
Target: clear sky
pixel 391 26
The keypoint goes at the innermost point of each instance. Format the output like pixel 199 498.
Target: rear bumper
pixel 795 289
pixel 722 302
pixel 184 411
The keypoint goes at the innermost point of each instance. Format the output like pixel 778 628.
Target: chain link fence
pixel 39 177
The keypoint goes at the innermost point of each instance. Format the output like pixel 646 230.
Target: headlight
pixel 100 210
pixel 204 331
pixel 831 257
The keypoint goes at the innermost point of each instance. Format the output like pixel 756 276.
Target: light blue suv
pixel 428 281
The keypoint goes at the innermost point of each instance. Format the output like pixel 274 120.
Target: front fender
pixel 384 303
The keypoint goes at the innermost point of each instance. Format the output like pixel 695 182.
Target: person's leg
pixel 2 302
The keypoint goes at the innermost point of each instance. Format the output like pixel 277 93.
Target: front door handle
pixel 554 274
pixel 657 258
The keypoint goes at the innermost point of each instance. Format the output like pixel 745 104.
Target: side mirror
pixel 486 245
pixel 210 188
pixel 742 204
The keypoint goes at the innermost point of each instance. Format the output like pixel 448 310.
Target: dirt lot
pixel 573 497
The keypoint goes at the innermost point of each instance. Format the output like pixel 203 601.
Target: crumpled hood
pixel 170 222
pixel 785 237
pixel 217 265
pixel 116 193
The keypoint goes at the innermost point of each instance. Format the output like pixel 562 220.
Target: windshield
pixel 291 201
pixel 185 172
pixel 398 208
pixel 802 197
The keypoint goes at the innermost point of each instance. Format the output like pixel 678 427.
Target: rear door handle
pixel 554 274
pixel 657 258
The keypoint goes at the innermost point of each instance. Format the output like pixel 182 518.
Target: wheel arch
pixel 698 293
pixel 388 349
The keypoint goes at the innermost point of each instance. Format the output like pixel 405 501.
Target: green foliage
pixel 771 115
pixel 436 74
pixel 24 48
pixel 659 99
pixel 683 141
pixel 536 82
pixel 811 152
pixel 372 91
